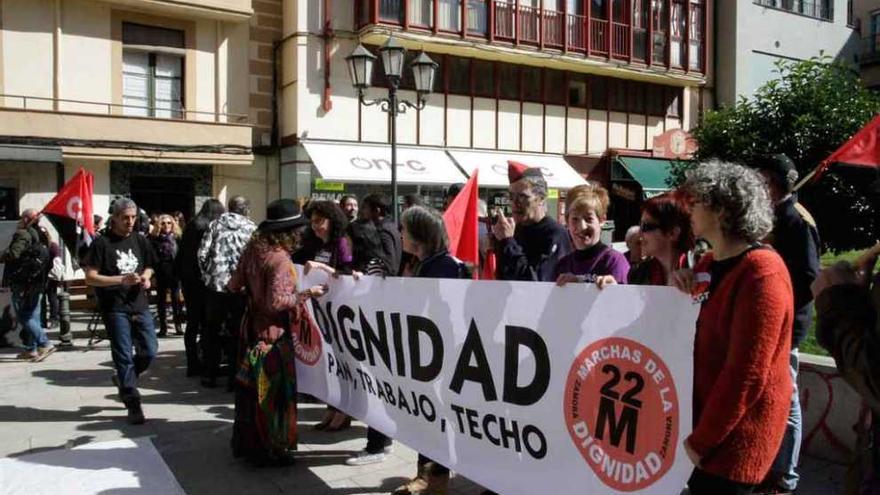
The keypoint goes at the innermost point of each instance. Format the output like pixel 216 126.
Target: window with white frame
pixel 152 71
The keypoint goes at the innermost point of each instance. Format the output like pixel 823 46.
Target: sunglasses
pixel 649 227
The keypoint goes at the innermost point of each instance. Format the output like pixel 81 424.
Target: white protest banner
pixel 524 388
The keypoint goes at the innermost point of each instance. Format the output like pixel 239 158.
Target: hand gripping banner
pixel 522 387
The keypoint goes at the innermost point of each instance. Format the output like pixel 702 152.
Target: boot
pixel 135 413
pixel 426 483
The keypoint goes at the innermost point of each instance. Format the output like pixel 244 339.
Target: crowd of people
pixel 732 237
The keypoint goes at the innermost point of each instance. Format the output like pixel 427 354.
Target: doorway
pixel 164 194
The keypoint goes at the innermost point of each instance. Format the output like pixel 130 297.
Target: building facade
pixel 529 79
pixel 153 96
pixel 753 35
pixel 865 17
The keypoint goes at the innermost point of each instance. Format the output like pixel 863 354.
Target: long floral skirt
pixel 265 404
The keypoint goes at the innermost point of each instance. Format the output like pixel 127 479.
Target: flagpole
pixel 806 179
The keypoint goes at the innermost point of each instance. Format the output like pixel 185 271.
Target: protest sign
pixel 522 387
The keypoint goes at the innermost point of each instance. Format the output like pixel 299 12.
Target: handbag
pixel 56 272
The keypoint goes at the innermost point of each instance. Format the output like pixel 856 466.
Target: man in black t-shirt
pixel 119 265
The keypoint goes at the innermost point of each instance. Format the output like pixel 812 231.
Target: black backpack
pixel 32 267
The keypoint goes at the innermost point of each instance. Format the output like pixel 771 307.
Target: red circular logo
pixel 621 409
pixel 307 338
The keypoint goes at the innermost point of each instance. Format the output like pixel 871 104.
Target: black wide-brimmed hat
pixel 283 214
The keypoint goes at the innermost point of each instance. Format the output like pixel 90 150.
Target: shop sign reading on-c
pixel 362 163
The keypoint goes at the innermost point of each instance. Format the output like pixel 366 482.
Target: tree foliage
pixel 807 112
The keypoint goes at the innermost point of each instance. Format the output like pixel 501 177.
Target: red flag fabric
pixel 74 201
pixel 489 267
pixel 862 150
pixel 70 211
pixel 461 219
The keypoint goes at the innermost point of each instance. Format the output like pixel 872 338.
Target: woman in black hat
pixel 265 424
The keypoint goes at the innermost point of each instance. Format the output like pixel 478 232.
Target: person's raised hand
pixel 317 265
pixel 504 227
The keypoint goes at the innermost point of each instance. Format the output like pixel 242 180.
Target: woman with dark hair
pixel 742 382
pixel 424 236
pixel 327 247
pixel 667 236
pixel 191 279
pixel 265 400
pixel 165 245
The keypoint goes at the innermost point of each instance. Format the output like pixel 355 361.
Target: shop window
pixel 598 93
pixel 484 78
pixel 617 95
pixel 531 84
pixel 458 75
pixel 508 81
pixel 636 97
pixel 577 90
pixel 152 71
pixel 656 100
pixel 554 87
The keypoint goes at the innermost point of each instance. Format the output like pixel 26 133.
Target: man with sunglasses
pixel 531 243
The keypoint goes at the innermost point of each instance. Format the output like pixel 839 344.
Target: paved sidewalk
pixel 69 400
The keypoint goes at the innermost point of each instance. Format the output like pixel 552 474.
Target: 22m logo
pixel 627 422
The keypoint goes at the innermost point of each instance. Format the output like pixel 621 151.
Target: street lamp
pixel 393 54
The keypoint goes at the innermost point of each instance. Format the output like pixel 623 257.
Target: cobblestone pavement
pixel 69 400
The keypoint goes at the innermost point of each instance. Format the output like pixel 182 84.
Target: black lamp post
pixel 360 68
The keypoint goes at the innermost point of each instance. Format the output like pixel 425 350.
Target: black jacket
pixel 797 242
pixel 533 252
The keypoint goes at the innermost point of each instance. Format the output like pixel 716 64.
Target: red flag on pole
pixel 462 219
pixel 862 150
pixel 70 211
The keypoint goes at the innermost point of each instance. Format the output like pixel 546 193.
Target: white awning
pixel 493 167
pixel 363 163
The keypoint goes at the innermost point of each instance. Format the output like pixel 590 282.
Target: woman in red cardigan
pixel 742 385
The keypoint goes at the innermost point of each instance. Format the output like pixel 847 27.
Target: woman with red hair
pixel 667 236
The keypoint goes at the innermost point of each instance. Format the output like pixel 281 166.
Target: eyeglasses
pixel 520 197
pixel 649 227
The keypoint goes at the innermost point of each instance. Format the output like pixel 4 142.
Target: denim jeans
pixel 783 472
pixel 127 330
pixel 27 310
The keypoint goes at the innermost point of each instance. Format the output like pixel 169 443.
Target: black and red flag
pixel 70 212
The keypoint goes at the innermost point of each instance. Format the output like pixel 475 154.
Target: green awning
pixel 650 173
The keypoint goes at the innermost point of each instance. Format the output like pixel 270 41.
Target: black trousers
pixel 376 441
pixel 703 483
pixel 223 314
pixel 194 297
pixel 163 287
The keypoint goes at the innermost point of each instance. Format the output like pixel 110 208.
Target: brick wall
pixel 265 29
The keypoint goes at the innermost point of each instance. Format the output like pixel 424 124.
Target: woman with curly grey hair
pixel 742 385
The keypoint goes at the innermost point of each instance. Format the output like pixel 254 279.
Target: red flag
pixel 862 150
pixel 462 219
pixel 70 211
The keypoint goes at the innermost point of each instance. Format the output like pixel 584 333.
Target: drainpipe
pixel 327 103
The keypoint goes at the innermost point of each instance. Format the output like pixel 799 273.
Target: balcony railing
pixel 513 22
pixel 21 102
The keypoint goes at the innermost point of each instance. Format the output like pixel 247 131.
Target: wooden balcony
pixel 604 35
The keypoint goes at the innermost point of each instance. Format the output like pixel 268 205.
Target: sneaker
pixel 135 414
pixel 363 458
